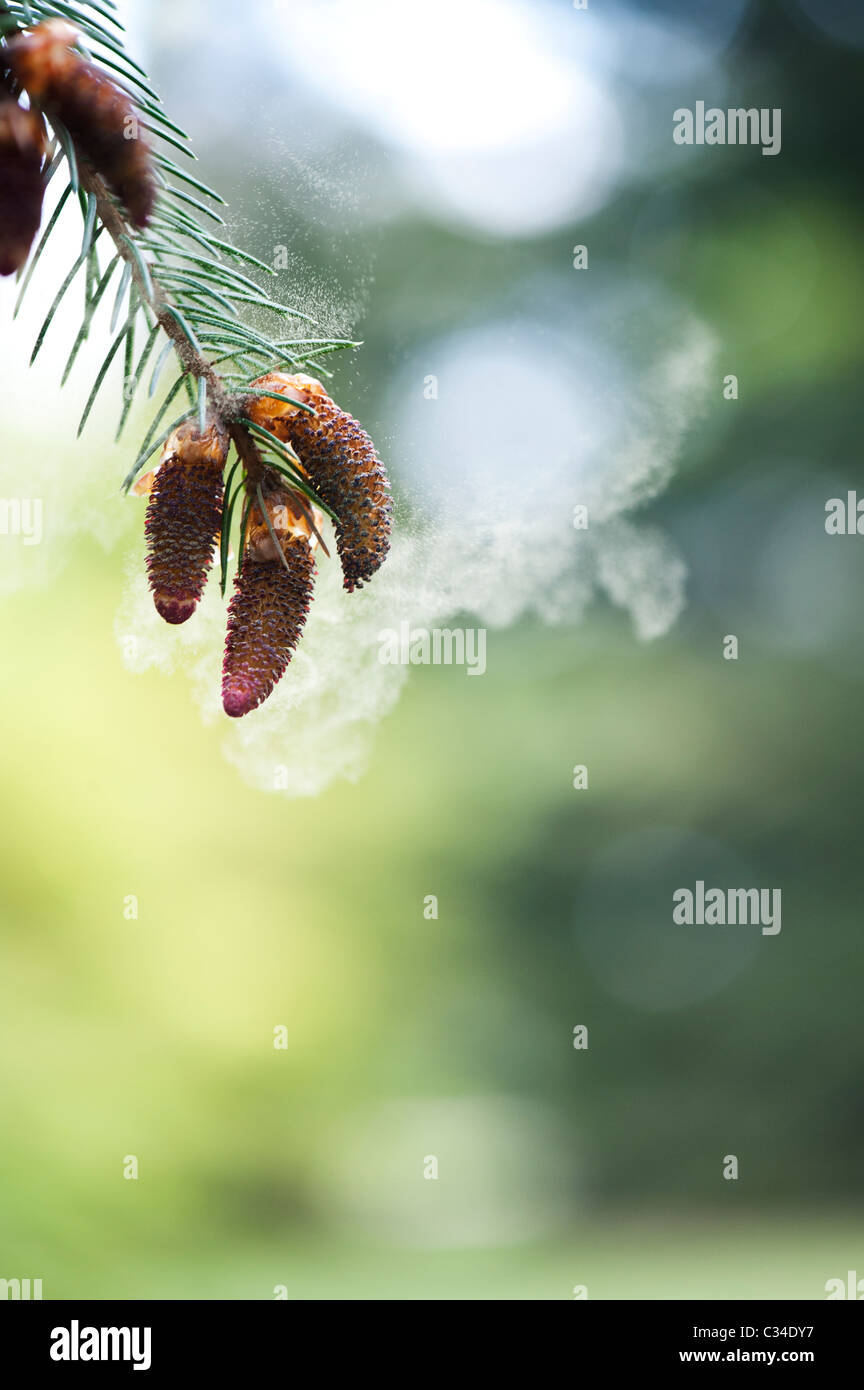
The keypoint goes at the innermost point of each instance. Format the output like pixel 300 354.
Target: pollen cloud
pixel 490 472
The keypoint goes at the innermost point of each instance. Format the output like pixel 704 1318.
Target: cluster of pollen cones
pixel 276 563
pixel 99 116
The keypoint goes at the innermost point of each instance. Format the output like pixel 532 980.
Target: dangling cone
pixel 342 465
pixel 183 518
pixel 265 620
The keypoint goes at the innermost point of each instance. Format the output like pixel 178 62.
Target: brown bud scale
pixel 22 182
pixel 101 118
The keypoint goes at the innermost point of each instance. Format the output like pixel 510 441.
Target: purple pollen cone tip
pixel 237 700
pixel 175 610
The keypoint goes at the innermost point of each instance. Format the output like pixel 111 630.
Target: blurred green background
pixel 410 1037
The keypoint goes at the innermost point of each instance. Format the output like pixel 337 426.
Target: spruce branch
pixel 197 310
pixel 179 291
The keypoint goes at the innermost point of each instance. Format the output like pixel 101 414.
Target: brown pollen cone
pixel 272 593
pixel 342 465
pixel 22 182
pixel 184 514
pixel 101 118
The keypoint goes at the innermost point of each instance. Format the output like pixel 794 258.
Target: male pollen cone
pixel 101 118
pixel 22 182
pixel 272 593
pixel 340 460
pixel 183 519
